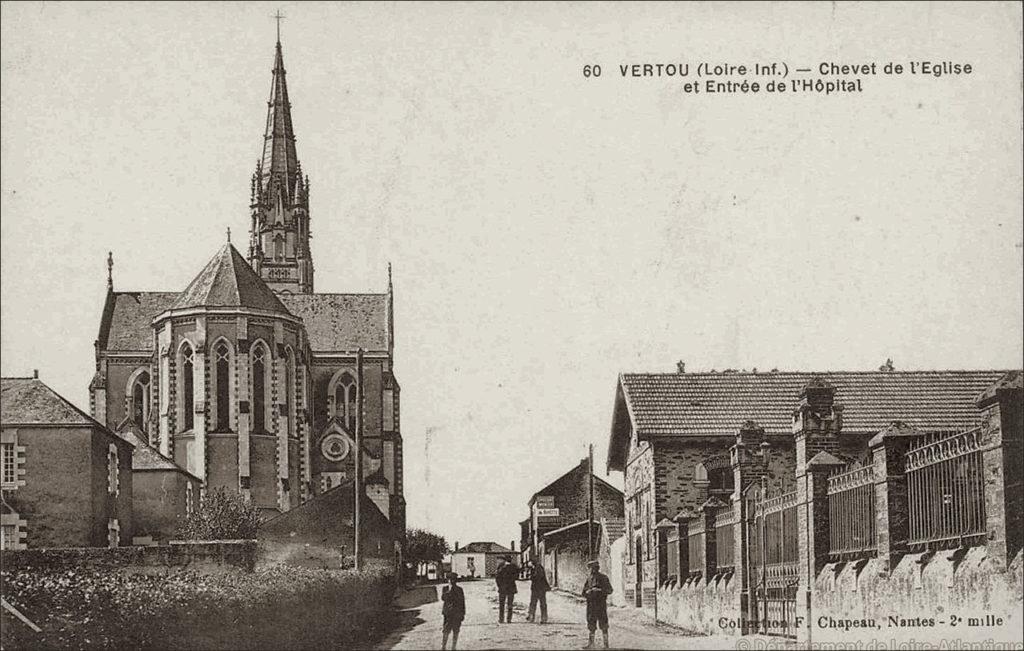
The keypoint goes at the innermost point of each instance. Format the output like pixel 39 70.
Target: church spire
pixel 279 245
pixel 280 162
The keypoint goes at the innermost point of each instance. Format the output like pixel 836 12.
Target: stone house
pixel 66 479
pixel 162 492
pixel 671 434
pixel 478 559
pixel 564 503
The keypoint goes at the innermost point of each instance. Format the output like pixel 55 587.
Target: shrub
pixel 221 516
pixel 272 608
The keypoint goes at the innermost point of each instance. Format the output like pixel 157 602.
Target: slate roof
pixel 146 457
pixel 334 322
pixel 716 404
pixel 484 548
pixel 342 322
pixel 27 401
pixel 127 326
pixel 228 281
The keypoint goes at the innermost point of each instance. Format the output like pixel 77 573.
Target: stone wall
pixel 711 608
pixel 925 594
pixel 205 557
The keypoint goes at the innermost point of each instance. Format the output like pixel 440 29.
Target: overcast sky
pixel 548 231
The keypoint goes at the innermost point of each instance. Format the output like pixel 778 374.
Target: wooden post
pixel 357 519
pixel 590 504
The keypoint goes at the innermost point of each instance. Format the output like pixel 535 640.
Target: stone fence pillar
pixel 892 519
pixel 1002 435
pixel 817 421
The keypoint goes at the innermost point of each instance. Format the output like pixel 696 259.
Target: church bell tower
pixel 279 200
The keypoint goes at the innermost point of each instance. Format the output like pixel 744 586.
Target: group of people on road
pixel 595 591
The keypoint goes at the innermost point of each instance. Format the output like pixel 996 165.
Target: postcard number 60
pixel 592 71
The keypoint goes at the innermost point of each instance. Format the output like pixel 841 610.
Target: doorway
pixel 639 573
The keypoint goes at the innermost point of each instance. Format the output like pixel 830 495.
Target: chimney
pixel 512 546
pixel 681 366
pixel 35 374
pixel 456 545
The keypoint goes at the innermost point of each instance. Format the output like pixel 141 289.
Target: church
pixel 248 378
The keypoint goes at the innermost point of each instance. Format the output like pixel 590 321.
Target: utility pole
pixel 590 503
pixel 357 519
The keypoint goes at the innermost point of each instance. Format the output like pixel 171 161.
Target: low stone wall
pixel 709 608
pixel 920 599
pixel 206 557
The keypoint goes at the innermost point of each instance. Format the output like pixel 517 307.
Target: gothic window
pixel 345 401
pixel 260 364
pixel 113 533
pixel 289 390
pixel 113 476
pixel 186 383
pixel 140 401
pixel 222 379
pixel 189 497
pixel 279 247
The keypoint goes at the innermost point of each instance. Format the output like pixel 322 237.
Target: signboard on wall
pixel 547 513
pixel 545 502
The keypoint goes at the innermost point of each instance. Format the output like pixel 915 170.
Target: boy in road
pixel 453 611
pixel 596 590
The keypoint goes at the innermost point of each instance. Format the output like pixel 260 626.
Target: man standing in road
pixel 539 587
pixel 596 590
pixel 453 611
pixel 506 581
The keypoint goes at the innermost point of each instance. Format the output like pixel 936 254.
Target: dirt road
pixel 419 626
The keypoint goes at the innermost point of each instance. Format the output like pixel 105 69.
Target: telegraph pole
pixel 357 518
pixel 590 503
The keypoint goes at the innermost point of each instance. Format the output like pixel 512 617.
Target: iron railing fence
pixel 725 539
pixel 851 512
pixel 946 491
pixel 695 532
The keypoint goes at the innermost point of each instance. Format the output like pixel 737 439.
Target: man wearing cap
pixel 596 590
pixel 506 582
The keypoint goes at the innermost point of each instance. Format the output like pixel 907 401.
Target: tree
pixel 221 516
pixel 423 546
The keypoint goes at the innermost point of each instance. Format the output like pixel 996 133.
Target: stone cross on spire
pixel 110 270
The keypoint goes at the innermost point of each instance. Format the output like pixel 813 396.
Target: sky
pixel 548 230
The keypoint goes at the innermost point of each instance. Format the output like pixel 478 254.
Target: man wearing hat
pixel 505 579
pixel 596 590
pixel 453 611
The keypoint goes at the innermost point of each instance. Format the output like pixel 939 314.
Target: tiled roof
pixel 228 281
pixel 484 548
pixel 703 404
pixel 342 322
pixel 27 401
pixel 129 327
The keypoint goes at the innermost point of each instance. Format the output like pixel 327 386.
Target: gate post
pixel 892 521
pixel 749 460
pixel 1002 435
pixel 816 423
